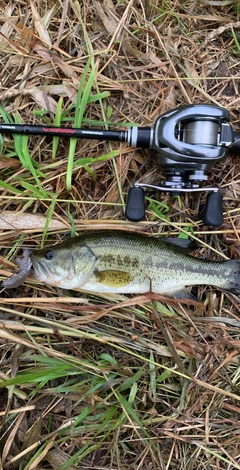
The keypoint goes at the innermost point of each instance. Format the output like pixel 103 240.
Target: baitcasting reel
pixel 188 139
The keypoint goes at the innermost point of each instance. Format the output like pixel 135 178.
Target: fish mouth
pixel 39 266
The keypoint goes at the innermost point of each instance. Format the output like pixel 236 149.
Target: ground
pixel 97 382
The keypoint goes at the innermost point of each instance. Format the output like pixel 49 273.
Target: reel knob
pixel 213 211
pixel 135 208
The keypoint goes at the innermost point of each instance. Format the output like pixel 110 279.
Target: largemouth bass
pixel 127 263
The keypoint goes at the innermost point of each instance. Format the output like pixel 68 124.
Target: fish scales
pixel 123 262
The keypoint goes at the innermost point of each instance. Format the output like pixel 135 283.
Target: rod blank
pixel 97 134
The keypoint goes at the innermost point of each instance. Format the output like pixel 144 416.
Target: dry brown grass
pixel 156 383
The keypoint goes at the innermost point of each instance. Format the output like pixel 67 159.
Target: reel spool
pixel 201 132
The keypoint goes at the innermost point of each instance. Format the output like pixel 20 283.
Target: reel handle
pixel 213 211
pixel 212 214
pixel 135 208
pixel 235 148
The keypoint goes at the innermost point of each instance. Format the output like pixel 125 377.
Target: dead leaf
pixel 7 162
pixel 156 61
pixel 67 69
pixel 14 46
pixel 22 221
pixel 109 22
pixel 40 26
pixel 112 26
pixel 185 347
pixel 56 457
pixel 32 434
pixel 42 52
pixel 27 38
pixel 12 436
pixel 44 100
pixel 7 26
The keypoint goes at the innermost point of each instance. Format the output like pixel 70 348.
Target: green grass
pixel 99 381
pixel 236 40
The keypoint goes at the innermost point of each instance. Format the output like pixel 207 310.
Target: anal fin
pixel 184 294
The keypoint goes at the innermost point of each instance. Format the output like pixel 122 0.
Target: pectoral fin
pixel 113 278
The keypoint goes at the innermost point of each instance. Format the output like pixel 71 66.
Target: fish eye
pixel 49 255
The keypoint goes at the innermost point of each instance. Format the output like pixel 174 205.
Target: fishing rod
pixel 187 139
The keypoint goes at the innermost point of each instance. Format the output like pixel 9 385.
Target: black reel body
pixel 188 140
